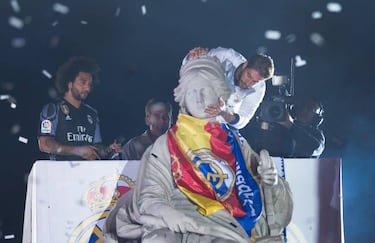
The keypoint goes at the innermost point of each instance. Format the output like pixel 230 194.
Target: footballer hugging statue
pixel 201 181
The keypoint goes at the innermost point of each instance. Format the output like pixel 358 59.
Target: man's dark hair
pixel 262 64
pixel 68 71
pixel 152 102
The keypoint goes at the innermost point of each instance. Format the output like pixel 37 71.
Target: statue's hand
pixel 267 169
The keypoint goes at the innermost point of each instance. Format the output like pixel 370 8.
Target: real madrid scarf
pixel 209 168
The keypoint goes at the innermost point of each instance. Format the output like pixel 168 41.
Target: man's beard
pixel 79 95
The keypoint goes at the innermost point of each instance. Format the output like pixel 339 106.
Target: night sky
pixel 139 46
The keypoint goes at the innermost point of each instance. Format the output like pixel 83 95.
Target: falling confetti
pixel 54 23
pixel 291 38
pixel 299 62
pixel 23 139
pixel 316 15
pixel 272 34
pixel 60 8
pixel 4 97
pixel 334 7
pixel 144 10
pixel 46 73
pixel 10 99
pixel 317 39
pixel 117 13
pixel 15 6
pixel 15 22
pixel 84 22
pixel 9 237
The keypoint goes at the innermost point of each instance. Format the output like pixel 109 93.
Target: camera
pixel 276 107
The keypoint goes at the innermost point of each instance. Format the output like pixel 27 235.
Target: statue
pixel 201 181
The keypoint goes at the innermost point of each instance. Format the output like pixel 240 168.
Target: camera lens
pixel 272 111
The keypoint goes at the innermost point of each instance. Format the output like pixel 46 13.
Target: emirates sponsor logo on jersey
pixel 80 135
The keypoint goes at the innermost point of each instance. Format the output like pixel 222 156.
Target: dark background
pixel 140 55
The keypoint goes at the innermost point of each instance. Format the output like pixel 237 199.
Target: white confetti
pixel 46 73
pixel 299 62
pixel 10 99
pixel 272 34
pixel 334 7
pixel 84 22
pixel 291 38
pixel 18 42
pixel 4 97
pixel 60 8
pixel 317 39
pixel 144 10
pixel 23 139
pixel 16 128
pixel 9 237
pixel 316 15
pixel 117 13
pixel 15 5
pixel 15 22
pixel 54 23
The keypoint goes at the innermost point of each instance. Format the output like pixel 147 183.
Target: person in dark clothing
pixel 298 135
pixel 158 118
pixel 69 128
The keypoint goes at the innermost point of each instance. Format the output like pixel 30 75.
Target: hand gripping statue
pixel 201 181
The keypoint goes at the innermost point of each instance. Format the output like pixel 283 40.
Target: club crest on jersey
pixel 46 126
pixel 65 109
pixel 89 118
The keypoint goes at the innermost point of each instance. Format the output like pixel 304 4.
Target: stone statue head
pixel 201 83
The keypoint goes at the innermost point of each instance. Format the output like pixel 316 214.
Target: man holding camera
pixel 297 135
